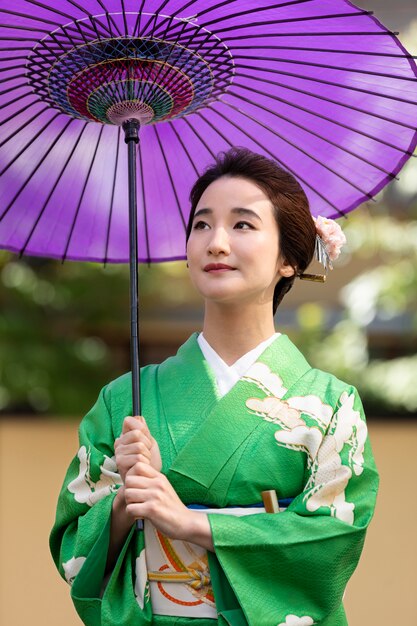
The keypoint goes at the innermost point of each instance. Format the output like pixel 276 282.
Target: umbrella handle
pixel 131 129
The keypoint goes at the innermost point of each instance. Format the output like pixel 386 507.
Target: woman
pixel 238 411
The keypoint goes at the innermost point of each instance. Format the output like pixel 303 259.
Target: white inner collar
pixel 227 375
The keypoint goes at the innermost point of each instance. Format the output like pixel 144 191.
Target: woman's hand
pixel 134 445
pixel 150 495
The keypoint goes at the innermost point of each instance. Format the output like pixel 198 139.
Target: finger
pixel 143 469
pixel 136 495
pixel 144 425
pixel 133 436
pixel 131 423
pixel 138 481
pixel 142 510
pixel 136 447
pixel 135 424
pixel 126 463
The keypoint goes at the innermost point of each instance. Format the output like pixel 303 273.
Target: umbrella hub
pixel 151 77
pixel 122 111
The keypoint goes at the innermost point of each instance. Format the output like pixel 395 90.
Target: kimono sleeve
pixel 80 536
pixel 291 568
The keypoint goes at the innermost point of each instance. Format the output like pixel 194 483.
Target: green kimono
pixel 283 426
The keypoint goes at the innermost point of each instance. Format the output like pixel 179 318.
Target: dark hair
pixel 297 231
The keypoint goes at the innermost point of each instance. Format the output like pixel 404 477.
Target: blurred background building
pixel 64 333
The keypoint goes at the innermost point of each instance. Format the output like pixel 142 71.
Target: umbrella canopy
pixel 319 85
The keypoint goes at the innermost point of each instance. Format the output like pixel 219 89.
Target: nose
pixel 219 242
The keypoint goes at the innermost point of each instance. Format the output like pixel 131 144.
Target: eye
pixel 200 225
pixel 244 226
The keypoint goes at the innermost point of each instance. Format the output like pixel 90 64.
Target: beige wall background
pixel 34 456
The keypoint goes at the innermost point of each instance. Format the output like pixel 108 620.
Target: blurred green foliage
pixel 385 293
pixel 64 327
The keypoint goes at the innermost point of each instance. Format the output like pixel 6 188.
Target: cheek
pixel 268 255
pixel 193 259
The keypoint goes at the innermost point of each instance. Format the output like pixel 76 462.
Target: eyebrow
pixel 237 210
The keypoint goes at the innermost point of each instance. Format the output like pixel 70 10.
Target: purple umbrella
pixel 319 85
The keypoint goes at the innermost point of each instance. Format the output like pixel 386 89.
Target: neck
pixel 233 330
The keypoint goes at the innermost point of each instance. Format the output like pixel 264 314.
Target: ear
pixel 286 270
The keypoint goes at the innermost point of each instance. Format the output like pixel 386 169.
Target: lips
pixel 216 267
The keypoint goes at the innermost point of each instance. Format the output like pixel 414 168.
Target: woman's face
pixel 233 250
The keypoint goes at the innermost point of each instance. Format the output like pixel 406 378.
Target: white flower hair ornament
pixel 330 239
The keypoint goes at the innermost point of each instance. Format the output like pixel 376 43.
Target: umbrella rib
pixel 52 10
pixel 10 102
pixel 124 17
pixel 215 128
pixel 81 8
pixel 13 67
pixel 253 10
pixel 16 113
pixel 2 93
pixel 291 21
pixel 164 20
pixel 25 125
pixel 37 166
pixel 109 25
pixel 171 180
pixel 82 195
pixel 116 163
pixel 319 97
pixel 16 49
pixel 27 16
pixel 145 215
pixel 109 18
pixel 29 28
pixel 54 37
pixel 179 67
pixel 116 86
pixel 227 2
pixel 178 136
pixel 325 66
pixel 36 40
pixel 5 80
pixel 20 58
pixel 80 31
pixel 297 147
pixel 327 50
pixel 209 51
pixel 137 27
pixel 262 146
pixel 94 25
pixel 332 83
pixel 61 173
pixel 199 137
pixel 154 80
pixel 173 15
pixel 308 130
pixel 323 34
pixel 154 16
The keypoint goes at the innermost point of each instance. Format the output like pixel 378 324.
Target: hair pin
pixel 315 278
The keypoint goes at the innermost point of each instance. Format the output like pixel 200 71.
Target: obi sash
pixel 178 571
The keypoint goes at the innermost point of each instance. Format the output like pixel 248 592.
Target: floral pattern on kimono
pixel 328 476
pixel 283 426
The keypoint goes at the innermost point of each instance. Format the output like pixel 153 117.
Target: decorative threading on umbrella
pixel 110 79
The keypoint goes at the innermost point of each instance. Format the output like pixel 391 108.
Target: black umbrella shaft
pixel 131 128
